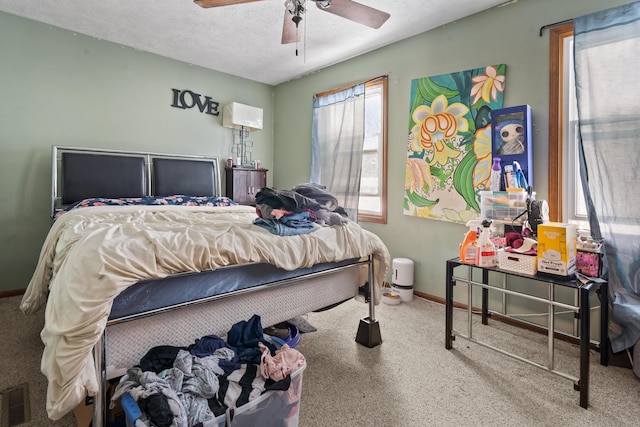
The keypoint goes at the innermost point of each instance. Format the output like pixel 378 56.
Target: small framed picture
pixel 511 138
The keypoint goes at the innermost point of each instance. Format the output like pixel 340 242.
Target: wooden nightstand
pixel 242 184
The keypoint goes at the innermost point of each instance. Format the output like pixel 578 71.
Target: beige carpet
pixel 409 380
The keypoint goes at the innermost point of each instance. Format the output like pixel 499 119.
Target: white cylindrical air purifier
pixel 402 280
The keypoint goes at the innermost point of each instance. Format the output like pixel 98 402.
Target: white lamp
pixel 245 118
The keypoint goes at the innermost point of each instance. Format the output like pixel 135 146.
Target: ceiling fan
pixel 294 9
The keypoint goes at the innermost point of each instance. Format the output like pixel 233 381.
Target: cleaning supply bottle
pixel 496 171
pixel 468 247
pixel 487 255
pixel 521 181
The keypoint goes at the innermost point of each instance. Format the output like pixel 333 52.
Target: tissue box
pixel 557 248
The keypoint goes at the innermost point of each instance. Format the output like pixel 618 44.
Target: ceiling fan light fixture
pixel 296 19
pixel 295 7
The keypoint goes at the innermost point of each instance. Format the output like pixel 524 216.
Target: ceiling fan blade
pixel 356 12
pixel 217 3
pixel 290 34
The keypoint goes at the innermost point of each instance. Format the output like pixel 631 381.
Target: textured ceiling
pixel 243 39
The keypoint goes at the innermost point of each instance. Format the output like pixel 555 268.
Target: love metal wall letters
pixel 188 99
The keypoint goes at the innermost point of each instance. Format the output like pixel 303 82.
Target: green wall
pixel 509 35
pixel 61 88
pixel 66 89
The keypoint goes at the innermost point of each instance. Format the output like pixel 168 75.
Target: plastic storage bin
pixel 272 405
pixel 283 406
pixel 504 205
pixel 219 421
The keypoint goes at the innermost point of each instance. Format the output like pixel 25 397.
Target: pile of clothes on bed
pixel 299 210
pixel 186 386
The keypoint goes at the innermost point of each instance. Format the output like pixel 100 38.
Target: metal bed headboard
pixel 78 173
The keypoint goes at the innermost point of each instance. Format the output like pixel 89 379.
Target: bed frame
pixel 79 173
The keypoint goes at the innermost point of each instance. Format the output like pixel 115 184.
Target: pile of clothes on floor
pixel 299 210
pixel 189 386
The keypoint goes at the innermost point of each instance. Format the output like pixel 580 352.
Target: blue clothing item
pixel 298 220
pixel 291 228
pixel 244 337
pixel 208 344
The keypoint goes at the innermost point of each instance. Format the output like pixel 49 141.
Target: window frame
pixel 557 147
pixel 380 218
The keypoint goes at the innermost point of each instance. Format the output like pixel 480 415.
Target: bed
pixel 144 251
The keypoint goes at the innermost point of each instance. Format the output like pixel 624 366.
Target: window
pixel 372 206
pixel 566 202
pixel 372 200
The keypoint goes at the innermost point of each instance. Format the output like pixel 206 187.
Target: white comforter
pixel 92 254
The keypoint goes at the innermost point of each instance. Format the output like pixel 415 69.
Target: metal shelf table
pixel 581 312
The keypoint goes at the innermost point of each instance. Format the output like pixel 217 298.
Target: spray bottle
pixel 521 181
pixel 487 255
pixel 468 247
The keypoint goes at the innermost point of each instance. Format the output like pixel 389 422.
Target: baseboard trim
pixel 12 293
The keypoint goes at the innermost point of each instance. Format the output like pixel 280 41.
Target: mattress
pixel 154 295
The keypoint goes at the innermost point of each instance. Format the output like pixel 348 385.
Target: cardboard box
pixel 84 411
pixel 557 248
pixel 84 414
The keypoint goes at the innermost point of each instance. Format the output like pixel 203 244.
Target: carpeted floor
pixel 409 380
pixel 412 380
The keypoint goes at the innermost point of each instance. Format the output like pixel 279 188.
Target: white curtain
pixel 607 59
pixel 337 138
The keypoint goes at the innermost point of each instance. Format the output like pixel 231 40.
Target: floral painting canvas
pixel 449 146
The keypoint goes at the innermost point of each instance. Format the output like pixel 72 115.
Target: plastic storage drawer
pixel 504 205
pixel 282 406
